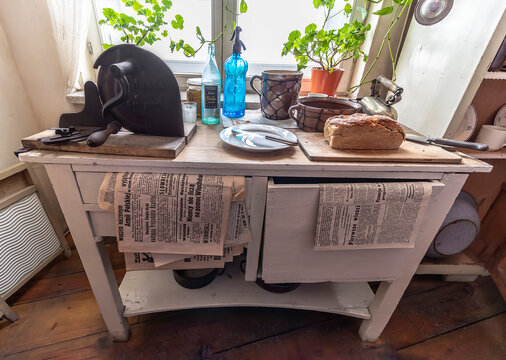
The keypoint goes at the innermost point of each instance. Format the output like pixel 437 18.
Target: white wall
pixel 16 117
pixel 28 30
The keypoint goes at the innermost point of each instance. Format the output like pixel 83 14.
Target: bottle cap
pixel 238 44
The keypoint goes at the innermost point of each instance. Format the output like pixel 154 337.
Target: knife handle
pixel 283 141
pixel 463 144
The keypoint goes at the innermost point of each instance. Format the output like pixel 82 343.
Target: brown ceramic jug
pixel 280 90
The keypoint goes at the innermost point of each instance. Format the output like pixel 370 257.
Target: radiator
pixel 27 239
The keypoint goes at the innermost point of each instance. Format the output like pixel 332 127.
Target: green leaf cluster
pixel 327 47
pixel 145 27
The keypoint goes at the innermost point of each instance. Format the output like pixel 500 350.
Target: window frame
pixel 222 48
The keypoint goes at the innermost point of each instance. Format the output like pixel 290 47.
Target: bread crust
pixel 363 132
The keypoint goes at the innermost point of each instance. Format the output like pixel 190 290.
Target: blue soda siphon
pixel 211 90
pixel 234 92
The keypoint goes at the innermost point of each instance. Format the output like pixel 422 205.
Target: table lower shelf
pixel 156 290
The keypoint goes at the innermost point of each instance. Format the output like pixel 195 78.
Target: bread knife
pixel 437 141
pixel 267 137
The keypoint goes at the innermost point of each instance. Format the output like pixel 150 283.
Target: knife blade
pixel 267 137
pixel 438 141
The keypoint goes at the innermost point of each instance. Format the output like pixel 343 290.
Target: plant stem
pixel 127 37
pixel 386 38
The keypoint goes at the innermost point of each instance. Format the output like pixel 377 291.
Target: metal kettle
pixel 375 104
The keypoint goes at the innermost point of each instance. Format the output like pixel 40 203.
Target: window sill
pixel 252 100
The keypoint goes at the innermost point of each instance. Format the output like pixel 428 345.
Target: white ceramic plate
pixel 500 117
pixel 253 143
pixel 467 125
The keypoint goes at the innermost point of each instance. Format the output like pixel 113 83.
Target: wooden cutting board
pixel 122 143
pixel 316 148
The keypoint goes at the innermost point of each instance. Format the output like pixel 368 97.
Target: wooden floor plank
pixel 333 340
pixel 423 283
pixel 484 340
pixel 191 335
pixel 48 321
pixel 63 266
pixel 400 332
pixel 453 306
pixel 46 288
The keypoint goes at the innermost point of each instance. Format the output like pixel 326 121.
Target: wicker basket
pixel 312 113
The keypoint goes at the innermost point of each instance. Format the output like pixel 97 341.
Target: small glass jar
pixel 194 93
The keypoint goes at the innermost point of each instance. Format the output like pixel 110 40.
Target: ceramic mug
pixel 280 90
pixel 493 136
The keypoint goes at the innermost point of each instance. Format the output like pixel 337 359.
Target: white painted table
pixel 333 281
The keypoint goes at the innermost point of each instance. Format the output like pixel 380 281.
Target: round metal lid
pixel 430 12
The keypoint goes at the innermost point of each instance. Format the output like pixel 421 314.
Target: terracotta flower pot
pixel 325 82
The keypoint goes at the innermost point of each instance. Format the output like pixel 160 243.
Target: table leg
pixel 93 254
pixel 258 197
pixel 389 294
pixel 6 311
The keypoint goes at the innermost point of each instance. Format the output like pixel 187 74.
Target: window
pixel 265 25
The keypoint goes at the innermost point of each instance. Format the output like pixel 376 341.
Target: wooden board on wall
pixel 485 187
pixel 122 143
pixel 317 148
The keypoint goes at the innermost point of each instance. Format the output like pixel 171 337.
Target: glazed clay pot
pixel 325 82
pixel 311 113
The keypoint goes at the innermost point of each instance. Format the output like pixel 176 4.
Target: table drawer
pixel 289 234
pixel 103 221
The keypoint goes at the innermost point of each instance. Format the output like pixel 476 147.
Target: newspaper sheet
pixel 174 213
pixel 238 231
pixel 370 215
pixel 147 261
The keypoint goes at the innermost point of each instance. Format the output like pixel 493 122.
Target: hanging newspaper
pixel 174 213
pixel 370 215
pixel 238 233
pixel 147 261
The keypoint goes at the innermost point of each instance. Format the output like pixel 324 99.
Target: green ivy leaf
pixel 136 5
pixel 243 7
pixel 363 12
pixel 177 23
pixel 317 3
pixel 107 46
pixel 294 35
pixel 347 8
pixel 188 50
pixel 310 28
pixel 167 3
pixel 385 11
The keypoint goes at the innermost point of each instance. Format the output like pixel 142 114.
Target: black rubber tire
pixel 193 282
pixel 277 288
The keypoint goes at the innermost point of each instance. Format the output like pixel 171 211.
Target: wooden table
pixel 76 178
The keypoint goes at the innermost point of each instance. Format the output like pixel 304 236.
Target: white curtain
pixel 70 19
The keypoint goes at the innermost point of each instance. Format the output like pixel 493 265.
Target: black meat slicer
pixel 136 90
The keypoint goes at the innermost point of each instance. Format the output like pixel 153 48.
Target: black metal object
pixel 72 133
pixel 186 278
pixel 135 90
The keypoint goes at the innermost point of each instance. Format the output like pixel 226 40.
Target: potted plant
pixel 327 47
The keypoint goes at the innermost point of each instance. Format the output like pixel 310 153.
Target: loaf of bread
pixel 364 132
